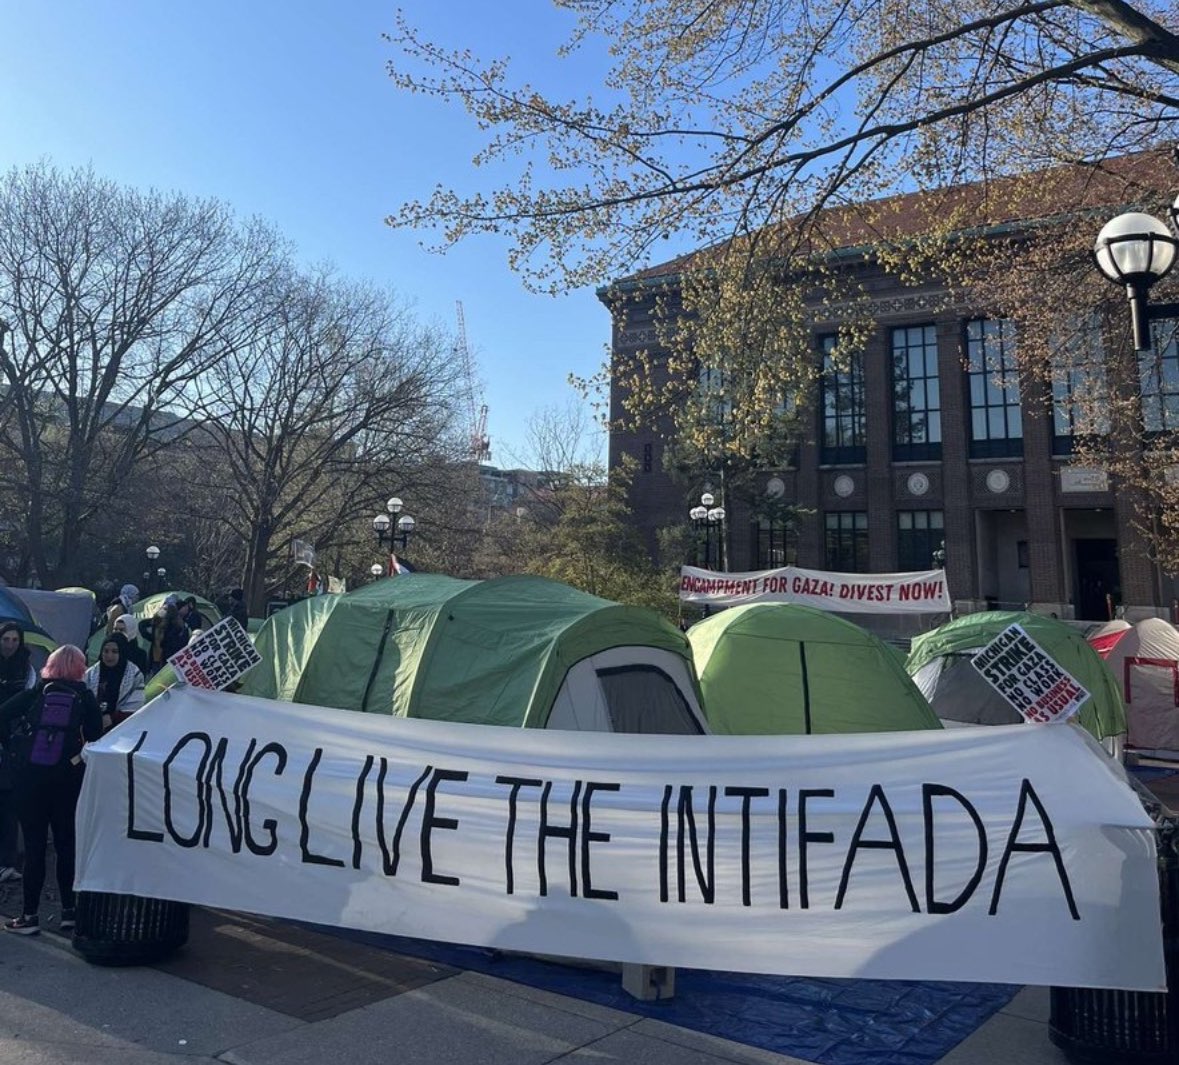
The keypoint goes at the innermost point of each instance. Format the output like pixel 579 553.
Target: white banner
pixel 216 658
pixel 846 593
pixel 1029 678
pixel 1009 854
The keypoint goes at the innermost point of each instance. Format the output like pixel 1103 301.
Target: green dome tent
pixel 145 608
pixel 939 663
pixel 518 651
pixel 780 668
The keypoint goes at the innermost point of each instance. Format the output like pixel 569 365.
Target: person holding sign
pixel 116 682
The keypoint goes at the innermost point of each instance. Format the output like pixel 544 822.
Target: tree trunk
pixel 254 576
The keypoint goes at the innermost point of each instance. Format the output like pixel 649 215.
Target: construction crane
pixel 479 443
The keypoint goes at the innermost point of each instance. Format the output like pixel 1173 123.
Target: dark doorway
pixel 1098 583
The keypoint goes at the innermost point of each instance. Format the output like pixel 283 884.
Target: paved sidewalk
pixel 56 1009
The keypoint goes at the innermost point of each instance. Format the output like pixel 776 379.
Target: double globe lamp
pixel 383 525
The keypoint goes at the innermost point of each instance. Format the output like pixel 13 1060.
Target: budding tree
pixel 739 131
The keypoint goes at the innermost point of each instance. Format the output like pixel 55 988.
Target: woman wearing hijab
pixel 46 728
pixel 116 682
pixel 120 605
pixel 128 626
pixel 16 675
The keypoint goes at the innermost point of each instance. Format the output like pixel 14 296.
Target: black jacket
pixel 20 708
pixel 175 637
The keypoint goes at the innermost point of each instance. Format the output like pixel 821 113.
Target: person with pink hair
pixel 44 730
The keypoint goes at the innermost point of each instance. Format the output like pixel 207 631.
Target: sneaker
pixel 7 872
pixel 24 925
pixel 67 920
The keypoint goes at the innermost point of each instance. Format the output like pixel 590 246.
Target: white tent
pixel 1145 662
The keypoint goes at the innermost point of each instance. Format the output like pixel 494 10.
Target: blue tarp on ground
pixel 833 1022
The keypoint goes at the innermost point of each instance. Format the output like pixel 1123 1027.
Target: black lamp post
pixel 1137 250
pixel 161 578
pixel 395 527
pixel 709 522
pixel 376 571
pixel 939 555
pixel 153 554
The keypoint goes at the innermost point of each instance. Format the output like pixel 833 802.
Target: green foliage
pixel 582 533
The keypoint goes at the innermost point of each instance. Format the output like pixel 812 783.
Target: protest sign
pixel 1002 854
pixel 850 593
pixel 217 657
pixel 1029 678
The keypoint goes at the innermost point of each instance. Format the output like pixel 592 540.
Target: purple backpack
pixel 55 733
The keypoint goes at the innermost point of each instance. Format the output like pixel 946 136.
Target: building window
pixel 842 405
pixel 775 543
pixel 919 534
pixel 917 405
pixel 1080 400
pixel 1158 373
pixel 996 422
pixel 847 541
pixel 716 405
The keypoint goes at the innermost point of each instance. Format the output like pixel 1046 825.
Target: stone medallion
pixel 998 481
pixel 918 484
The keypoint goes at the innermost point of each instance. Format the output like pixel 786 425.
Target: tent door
pixel 643 698
pixel 629 689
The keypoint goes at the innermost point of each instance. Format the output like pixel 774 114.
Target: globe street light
pixel 1137 250
pixel 395 526
pixel 705 519
pixel 152 553
pixel 375 570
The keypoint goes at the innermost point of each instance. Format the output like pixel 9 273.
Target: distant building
pixel 513 491
pixel 885 481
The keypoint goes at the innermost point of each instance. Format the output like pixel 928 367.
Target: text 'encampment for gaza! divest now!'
pixel 922 592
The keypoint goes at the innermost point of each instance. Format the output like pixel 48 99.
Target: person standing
pixel 165 633
pixel 120 605
pixel 16 675
pixel 16 671
pixel 116 682
pixel 191 616
pixel 128 626
pixel 45 729
pixel 237 608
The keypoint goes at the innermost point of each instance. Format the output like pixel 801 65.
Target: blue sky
pixel 284 110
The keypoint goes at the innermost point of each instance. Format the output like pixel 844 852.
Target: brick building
pixel 963 462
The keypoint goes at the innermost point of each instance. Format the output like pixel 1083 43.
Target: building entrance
pixel 1002 538
pixel 1099 590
